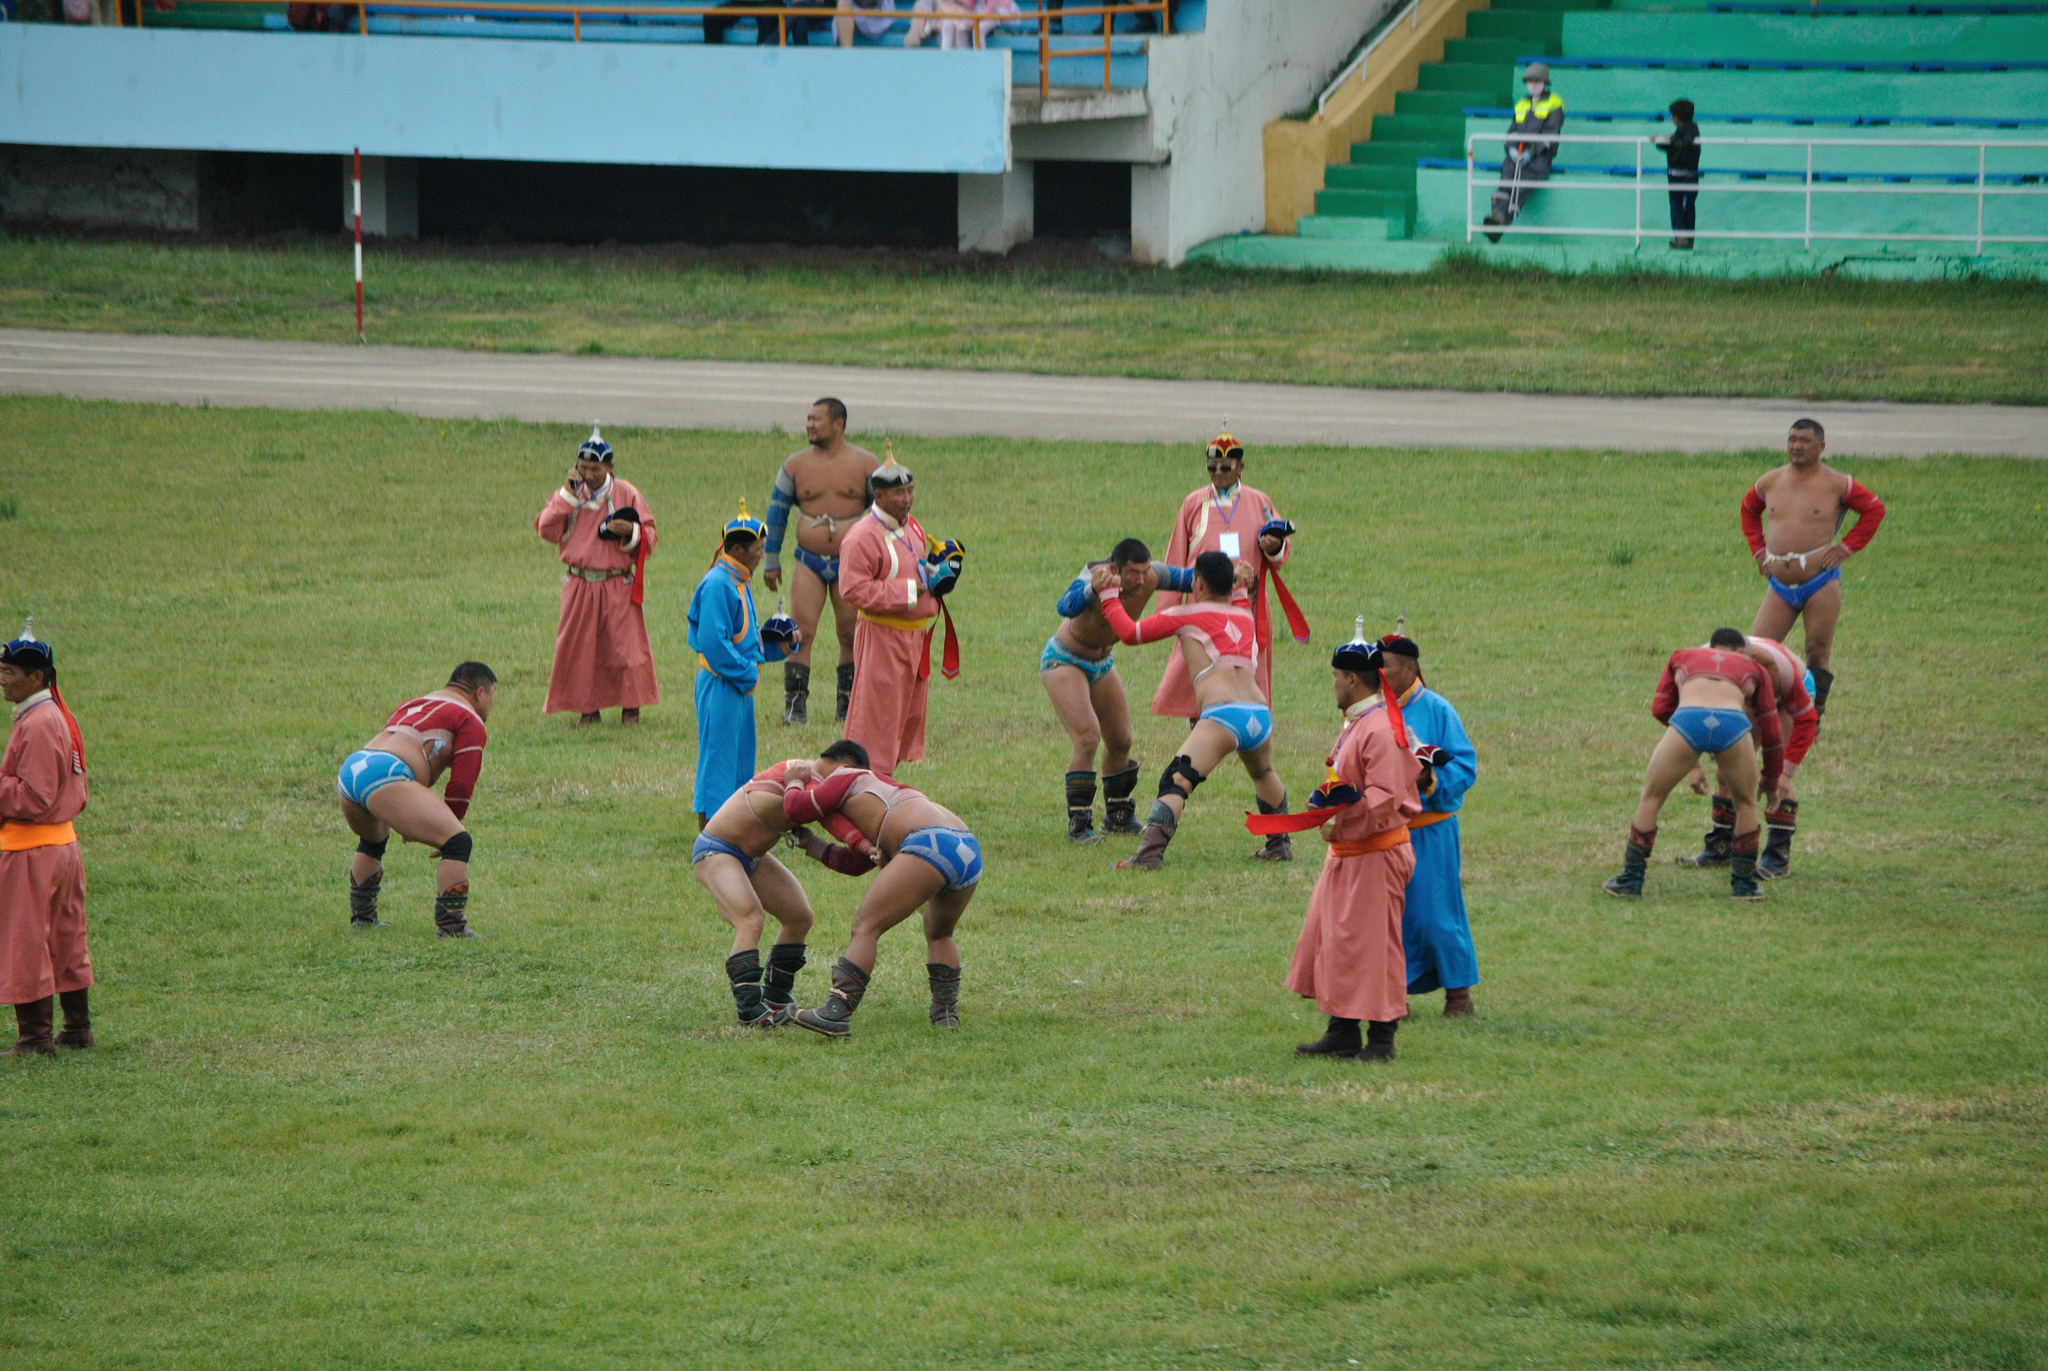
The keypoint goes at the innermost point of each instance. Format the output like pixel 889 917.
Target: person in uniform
pixel 43 955
pixel 731 644
pixel 604 533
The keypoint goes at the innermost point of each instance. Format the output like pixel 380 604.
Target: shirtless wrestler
pixel 385 788
pixel 930 862
pixel 1798 721
pixel 732 860
pixel 1710 699
pixel 1806 501
pixel 1078 670
pixel 827 482
pixel 1217 640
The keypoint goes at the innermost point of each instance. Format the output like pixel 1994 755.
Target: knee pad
pixel 374 851
pixel 1179 767
pixel 457 848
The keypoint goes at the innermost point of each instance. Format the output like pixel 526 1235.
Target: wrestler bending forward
pixel 930 861
pixel 1709 699
pixel 385 788
pixel 1218 642
pixel 731 859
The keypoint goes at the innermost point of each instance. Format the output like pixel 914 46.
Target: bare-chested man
pixel 828 483
pixel 1806 501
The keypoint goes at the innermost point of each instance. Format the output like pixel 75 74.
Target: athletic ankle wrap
pixel 1724 812
pixel 1745 844
pixel 1181 767
pixel 374 851
pixel 1080 790
pixel 784 961
pixel 458 848
pixel 1644 842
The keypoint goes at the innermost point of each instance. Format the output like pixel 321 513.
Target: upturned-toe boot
pixel 834 1018
pixel 362 903
pixel 1742 868
pixel 1379 1041
pixel 1719 837
pixel 1339 1040
pixel 945 983
pixel 1081 807
pixel 1278 847
pixel 1635 859
pixel 77 1018
pixel 32 1025
pixel 1458 1003
pixel 1776 862
pixel 1151 853
pixel 451 913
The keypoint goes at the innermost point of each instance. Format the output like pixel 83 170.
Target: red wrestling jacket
pixel 452 736
pixel 1759 699
pixel 1869 511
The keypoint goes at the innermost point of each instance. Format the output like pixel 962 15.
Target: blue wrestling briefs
pixel 366 773
pixel 1797 596
pixel 826 568
pixel 708 846
pixel 1710 730
pixel 953 852
pixel 1250 725
pixel 1057 654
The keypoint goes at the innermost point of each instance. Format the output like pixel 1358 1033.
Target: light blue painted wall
pixel 868 109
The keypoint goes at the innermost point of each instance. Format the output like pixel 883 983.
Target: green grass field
pixel 1807 1133
pixel 1468 327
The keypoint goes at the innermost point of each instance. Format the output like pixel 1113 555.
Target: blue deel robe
pixel 726 632
pixel 1434 930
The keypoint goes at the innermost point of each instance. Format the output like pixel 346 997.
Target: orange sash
pixel 16 837
pixel 1425 820
pixel 1378 842
pixel 902 625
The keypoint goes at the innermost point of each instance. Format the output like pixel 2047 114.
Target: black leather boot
pixel 1279 847
pixel 1742 868
pixel 1720 835
pixel 834 1018
pixel 796 693
pixel 778 991
pixel 1081 807
pixel 1339 1040
pixel 743 969
pixel 845 693
pixel 362 903
pixel 1119 810
pixel 32 1025
pixel 1776 863
pixel 1379 1041
pixel 1635 859
pixel 77 1018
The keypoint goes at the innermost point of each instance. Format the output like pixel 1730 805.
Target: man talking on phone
pixel 604 532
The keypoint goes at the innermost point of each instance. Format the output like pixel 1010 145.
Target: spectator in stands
pixel 1682 152
pixel 955 33
pixel 795 31
pixel 1148 22
pixel 1530 148
pixel 323 18
pixel 874 28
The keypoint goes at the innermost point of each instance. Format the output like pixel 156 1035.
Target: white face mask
pixel 1535 89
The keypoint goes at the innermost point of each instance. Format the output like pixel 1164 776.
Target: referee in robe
pixel 1434 929
pixel 604 532
pixel 1349 958
pixel 42 880
pixel 882 574
pixel 727 635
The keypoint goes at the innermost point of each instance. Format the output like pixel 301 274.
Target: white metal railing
pixel 1807 188
pixel 1356 64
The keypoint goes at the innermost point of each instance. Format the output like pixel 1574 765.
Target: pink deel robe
pixel 1202 526
pixel 42 889
pixel 602 660
pixel 1349 958
pixel 879 575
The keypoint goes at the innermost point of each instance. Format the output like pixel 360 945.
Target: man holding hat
pixel 42 880
pixel 882 573
pixel 604 532
pixel 1434 931
pixel 1239 521
pixel 731 643
pixel 1348 958
pixel 1530 148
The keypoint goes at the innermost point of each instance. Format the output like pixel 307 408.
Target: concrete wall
pixel 101 187
pixel 1196 136
pixel 869 109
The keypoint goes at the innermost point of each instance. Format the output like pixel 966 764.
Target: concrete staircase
pixel 1372 196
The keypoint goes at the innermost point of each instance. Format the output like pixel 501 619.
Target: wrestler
pixel 1078 670
pixel 732 860
pixel 1216 641
pixel 1709 698
pixel 1806 501
pixel 1239 521
pixel 385 787
pixel 930 861
pixel 828 483
pixel 1799 722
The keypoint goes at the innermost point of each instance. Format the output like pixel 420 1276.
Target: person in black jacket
pixel 1682 152
pixel 1531 146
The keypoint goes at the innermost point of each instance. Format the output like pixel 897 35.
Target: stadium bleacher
pixel 1855 79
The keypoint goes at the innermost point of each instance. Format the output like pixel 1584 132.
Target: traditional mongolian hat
pixel 1359 655
pixel 890 474
pixel 1225 446
pixel 30 654
pixel 595 448
pixel 744 523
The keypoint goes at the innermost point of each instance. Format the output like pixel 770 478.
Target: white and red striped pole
pixel 357 182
